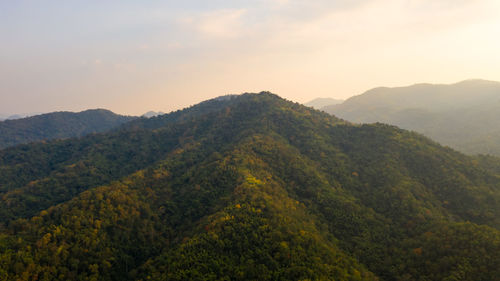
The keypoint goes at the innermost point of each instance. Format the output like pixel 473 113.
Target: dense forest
pixel 249 187
pixel 58 125
pixel 462 115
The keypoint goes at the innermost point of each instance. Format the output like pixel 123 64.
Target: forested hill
pixel 462 115
pixel 249 187
pixel 58 125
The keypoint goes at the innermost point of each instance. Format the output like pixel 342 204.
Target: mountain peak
pixel 251 187
pixel 462 115
pixel 58 125
pixel 478 82
pixel 151 113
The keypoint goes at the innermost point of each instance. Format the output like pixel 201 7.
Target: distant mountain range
pixel 319 103
pixel 464 115
pixel 250 187
pixel 58 125
pixel 150 114
pixel 17 116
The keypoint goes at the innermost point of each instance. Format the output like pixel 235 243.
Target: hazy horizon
pixel 132 57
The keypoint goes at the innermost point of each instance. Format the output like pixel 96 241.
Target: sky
pixel 135 56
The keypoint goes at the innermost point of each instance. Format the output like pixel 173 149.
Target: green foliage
pixel 264 236
pixel 58 125
pixel 248 188
pixel 462 115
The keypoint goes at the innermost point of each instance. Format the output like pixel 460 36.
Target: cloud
pixel 224 23
pixel 377 20
pixel 292 46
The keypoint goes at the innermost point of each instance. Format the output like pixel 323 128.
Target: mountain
pixel 319 103
pixel 58 125
pixel 249 187
pixel 462 115
pixel 150 114
pixel 16 116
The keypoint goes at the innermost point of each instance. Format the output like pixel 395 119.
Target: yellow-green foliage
pixel 248 188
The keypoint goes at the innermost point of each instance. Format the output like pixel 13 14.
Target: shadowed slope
pixel 251 187
pixel 58 125
pixel 463 115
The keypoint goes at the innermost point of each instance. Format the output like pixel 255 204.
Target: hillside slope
pixel 58 125
pixel 463 115
pixel 319 103
pixel 249 187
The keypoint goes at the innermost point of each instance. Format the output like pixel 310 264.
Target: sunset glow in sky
pixel 134 56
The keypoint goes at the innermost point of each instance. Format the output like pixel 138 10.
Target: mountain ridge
pixel 252 187
pixel 319 103
pixel 61 124
pixel 461 115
